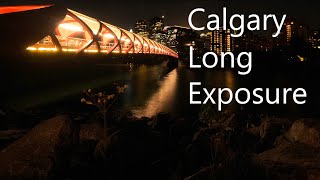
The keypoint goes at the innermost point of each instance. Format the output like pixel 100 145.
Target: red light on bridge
pixel 13 9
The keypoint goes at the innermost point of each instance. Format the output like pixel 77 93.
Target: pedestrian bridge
pixel 77 33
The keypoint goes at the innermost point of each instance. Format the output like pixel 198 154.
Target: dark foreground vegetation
pixel 227 145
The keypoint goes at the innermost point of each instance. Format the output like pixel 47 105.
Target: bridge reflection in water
pixel 163 99
pixel 81 33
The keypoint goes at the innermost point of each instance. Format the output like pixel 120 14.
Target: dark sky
pixel 124 13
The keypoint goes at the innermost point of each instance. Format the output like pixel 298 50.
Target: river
pixel 153 89
pixel 152 92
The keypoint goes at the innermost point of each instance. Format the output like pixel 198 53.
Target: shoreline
pixel 163 141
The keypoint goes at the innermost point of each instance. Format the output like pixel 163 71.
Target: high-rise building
pixel 294 31
pixel 160 37
pixel 294 41
pixel 288 31
pixel 141 28
pixel 156 27
pixel 315 39
pixel 207 40
pixel 251 42
pixel 152 29
pixel 222 41
pixel 181 38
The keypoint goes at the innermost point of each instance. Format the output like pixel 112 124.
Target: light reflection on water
pixel 152 89
pixel 152 93
pixel 162 99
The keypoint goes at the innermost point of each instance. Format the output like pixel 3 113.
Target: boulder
pixel 306 131
pixel 82 161
pixel 91 132
pixel 288 161
pixel 40 154
pixel 296 154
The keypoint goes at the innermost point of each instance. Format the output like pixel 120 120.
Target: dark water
pixel 152 92
pixel 153 88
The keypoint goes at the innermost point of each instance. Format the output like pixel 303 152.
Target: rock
pixel 306 131
pixel 268 131
pixel 91 132
pixel 287 161
pixel 82 161
pixel 89 136
pixel 40 154
pixel 296 154
pixel 106 144
pixel 272 127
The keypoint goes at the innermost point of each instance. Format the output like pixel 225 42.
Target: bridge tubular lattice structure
pixel 80 33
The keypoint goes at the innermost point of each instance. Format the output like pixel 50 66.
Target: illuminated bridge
pixel 50 29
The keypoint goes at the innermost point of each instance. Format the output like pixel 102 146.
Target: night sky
pixel 124 13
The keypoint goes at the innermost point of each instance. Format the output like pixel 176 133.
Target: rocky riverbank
pixel 221 146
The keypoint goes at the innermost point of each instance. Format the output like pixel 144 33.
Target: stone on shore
pixel 91 132
pixel 40 154
pixel 306 131
pixel 296 155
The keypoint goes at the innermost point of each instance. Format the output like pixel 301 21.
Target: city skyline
pixel 142 9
